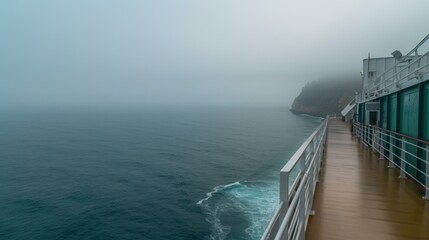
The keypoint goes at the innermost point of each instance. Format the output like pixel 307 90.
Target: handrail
pixel 417 47
pixel 402 135
pixel 296 199
pixel 296 156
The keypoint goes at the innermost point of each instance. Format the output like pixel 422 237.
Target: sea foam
pixel 254 201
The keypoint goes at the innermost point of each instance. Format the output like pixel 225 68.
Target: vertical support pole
pixel 302 162
pixel 368 137
pixel 284 188
pixel 403 156
pixel 381 149
pixel 302 217
pixel 391 156
pixel 354 129
pixel 364 134
pixel 426 197
pixel 284 197
pixel 318 161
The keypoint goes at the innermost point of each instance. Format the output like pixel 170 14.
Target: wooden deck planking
pixel 359 197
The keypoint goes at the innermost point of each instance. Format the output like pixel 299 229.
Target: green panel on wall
pixel 424 126
pixel 408 125
pixel 425 113
pixel 362 112
pixel 392 121
pixel 383 123
pixel 392 118
pixel 409 112
pixel 383 117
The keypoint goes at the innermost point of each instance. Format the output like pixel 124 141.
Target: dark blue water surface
pixel 143 174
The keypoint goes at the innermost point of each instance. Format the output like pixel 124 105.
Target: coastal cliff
pixel 329 95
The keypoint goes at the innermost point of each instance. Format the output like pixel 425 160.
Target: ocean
pixel 188 173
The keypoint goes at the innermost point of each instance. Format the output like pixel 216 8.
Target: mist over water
pixel 167 119
pixel 143 174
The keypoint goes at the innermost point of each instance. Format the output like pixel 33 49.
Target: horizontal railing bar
pixel 296 204
pixel 395 146
pixel 297 155
pixel 412 64
pixel 267 232
pixel 402 135
pixel 417 46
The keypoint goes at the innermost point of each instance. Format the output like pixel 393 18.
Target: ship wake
pixel 246 205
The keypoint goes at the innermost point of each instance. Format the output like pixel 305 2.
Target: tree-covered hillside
pixel 329 95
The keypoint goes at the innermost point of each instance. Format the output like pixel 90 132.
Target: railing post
pixel 284 188
pixel 367 137
pixel 391 157
pixel 318 158
pixel 403 156
pixel 363 134
pixel 284 197
pixel 302 214
pixel 381 149
pixel 302 161
pixel 426 197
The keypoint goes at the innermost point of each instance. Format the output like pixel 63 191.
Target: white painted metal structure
pixel 382 76
pixel 392 145
pixel 298 180
pixel 348 110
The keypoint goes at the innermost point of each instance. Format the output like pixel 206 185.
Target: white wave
pixel 253 201
pixel 217 189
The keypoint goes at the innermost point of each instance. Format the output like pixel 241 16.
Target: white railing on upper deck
pixel 411 67
pixel 298 180
pixel 410 155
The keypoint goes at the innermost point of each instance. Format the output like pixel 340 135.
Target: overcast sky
pixel 150 53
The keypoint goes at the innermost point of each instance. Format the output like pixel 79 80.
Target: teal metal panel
pixel 424 125
pixel 425 113
pixel 393 112
pixel 383 114
pixel 408 124
pixel 362 113
pixel 392 121
pixel 383 122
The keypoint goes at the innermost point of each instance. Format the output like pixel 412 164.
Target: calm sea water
pixel 143 174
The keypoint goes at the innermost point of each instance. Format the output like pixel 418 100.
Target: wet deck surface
pixel 359 197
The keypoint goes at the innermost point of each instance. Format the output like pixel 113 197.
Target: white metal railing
pixel 411 66
pixel 410 155
pixel 298 180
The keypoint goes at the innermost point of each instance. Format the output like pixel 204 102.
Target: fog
pixel 191 53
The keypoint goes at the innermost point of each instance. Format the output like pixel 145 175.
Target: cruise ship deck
pixel 359 197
